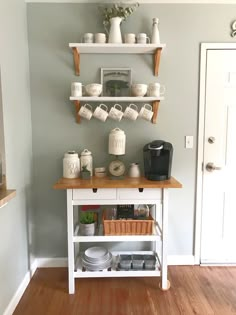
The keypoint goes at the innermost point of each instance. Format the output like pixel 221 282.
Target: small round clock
pixel 117 168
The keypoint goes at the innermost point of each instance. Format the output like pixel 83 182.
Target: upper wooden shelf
pixel 82 48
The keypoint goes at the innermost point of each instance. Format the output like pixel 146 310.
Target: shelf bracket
pixel 76 60
pixel 157 57
pixel 155 107
pixel 77 108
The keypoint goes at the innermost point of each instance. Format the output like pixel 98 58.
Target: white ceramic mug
pixel 146 112
pixel 131 112
pixel 93 89
pixel 100 38
pixel 142 38
pixel 130 38
pixel 101 112
pixel 76 89
pixel 88 38
pixel 139 89
pixel 116 112
pixel 156 89
pixel 86 111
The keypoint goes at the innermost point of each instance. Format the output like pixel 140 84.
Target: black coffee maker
pixel 158 160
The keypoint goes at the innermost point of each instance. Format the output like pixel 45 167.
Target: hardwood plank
pixel 194 290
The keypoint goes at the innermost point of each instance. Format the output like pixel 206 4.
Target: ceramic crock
pixel 117 139
pixel 71 165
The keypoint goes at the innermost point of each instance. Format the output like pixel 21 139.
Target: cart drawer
pixel 138 193
pixel 93 194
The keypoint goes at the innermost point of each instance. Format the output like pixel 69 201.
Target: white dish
pixel 98 266
pixel 97 262
pixel 95 253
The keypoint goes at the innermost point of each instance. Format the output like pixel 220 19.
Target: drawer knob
pixel 95 190
pixel 140 189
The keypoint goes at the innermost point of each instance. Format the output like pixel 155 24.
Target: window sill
pixel 6 194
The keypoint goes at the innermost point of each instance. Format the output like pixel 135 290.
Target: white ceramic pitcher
pixel 115 33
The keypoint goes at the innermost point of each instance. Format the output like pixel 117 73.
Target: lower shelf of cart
pixel 114 271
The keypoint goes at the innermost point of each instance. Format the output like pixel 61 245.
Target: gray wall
pixel 15 216
pixel 51 27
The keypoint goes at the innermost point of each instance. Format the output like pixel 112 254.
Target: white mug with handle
pixel 77 89
pixel 131 112
pixel 86 111
pixel 142 38
pixel 101 112
pixel 146 112
pixel 116 112
pixel 156 89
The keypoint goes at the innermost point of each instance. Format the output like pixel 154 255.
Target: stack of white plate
pixel 96 258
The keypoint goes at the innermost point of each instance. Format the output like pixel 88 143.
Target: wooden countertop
pixel 106 182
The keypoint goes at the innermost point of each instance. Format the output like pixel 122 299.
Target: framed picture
pixel 116 81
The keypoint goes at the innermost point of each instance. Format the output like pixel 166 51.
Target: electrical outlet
pixel 188 142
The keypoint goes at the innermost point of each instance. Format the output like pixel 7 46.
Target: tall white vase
pixel 115 33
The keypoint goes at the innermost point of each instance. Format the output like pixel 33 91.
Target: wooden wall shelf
pixel 81 48
pixel 125 99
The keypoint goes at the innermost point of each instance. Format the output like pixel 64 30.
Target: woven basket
pixel 128 227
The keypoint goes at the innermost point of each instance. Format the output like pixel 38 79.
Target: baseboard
pixel 52 262
pixel 21 289
pixel 180 260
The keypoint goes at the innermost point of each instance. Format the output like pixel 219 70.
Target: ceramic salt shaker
pixel 71 165
pixel 155 39
pixel 86 160
pixel 134 170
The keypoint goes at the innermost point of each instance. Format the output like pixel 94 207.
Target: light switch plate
pixel 188 142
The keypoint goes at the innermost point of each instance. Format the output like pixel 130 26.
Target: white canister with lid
pixel 86 159
pixel 71 165
pixel 117 139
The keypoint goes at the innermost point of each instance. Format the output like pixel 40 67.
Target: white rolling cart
pixel 104 191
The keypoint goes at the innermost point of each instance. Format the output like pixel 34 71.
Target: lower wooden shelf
pixel 129 99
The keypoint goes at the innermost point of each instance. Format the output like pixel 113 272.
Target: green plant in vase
pixel 85 173
pixel 87 217
pixel 87 223
pixel 116 10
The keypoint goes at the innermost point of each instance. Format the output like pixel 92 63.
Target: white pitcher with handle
pixel 115 33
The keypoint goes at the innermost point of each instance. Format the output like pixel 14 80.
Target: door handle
pixel 210 167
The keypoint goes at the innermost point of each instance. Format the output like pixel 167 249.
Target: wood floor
pixel 194 290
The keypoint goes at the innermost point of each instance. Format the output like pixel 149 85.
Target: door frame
pixel 200 143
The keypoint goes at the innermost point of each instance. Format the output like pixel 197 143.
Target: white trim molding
pixel 52 262
pixel 141 1
pixel 180 260
pixel 21 289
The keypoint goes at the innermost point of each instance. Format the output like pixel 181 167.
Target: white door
pixel 218 234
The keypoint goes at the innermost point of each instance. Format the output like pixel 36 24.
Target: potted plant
pixel 87 223
pixel 85 173
pixel 116 10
